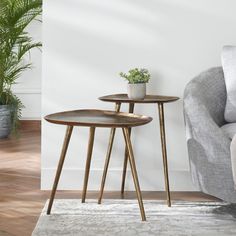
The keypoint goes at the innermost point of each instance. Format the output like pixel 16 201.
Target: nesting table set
pixel 113 120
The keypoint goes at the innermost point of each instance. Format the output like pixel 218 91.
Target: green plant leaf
pixel 135 76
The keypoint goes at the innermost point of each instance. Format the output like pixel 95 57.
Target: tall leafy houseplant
pixel 15 43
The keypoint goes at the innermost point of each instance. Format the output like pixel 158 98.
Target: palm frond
pixel 24 48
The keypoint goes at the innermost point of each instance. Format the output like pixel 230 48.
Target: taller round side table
pixel 118 99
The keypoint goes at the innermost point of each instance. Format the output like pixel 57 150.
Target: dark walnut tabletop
pixel 123 98
pixel 97 118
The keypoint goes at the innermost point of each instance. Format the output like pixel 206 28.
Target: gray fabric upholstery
pixel 229 129
pixel 233 158
pixel 228 58
pixel 208 145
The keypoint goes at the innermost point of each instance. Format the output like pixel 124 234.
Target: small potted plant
pixel 137 79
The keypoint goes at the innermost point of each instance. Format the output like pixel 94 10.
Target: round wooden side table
pixel 93 119
pixel 118 99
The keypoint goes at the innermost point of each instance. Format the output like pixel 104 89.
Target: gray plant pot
pixel 5 121
pixel 137 91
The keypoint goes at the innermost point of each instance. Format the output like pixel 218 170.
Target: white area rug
pixel 122 217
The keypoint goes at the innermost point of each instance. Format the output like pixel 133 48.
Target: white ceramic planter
pixel 137 91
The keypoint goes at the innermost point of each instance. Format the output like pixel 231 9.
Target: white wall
pixel 88 42
pixel 28 87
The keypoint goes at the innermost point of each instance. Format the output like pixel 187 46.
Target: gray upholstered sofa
pixel 209 143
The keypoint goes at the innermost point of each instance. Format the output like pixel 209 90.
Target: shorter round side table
pixel 118 99
pixel 93 119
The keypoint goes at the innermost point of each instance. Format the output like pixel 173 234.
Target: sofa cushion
pixel 233 158
pixel 229 67
pixel 229 130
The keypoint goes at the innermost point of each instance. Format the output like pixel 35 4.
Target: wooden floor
pixel 21 200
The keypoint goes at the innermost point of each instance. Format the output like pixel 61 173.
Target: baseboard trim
pixel 72 179
pixel 27 91
pixel 33 125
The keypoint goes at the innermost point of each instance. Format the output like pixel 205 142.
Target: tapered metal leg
pixel 134 171
pixel 88 162
pixel 59 167
pixel 164 153
pixel 131 110
pixel 110 145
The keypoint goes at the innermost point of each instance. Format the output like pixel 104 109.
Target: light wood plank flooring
pixel 21 200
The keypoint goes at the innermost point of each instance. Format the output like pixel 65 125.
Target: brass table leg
pixel 134 171
pixel 88 162
pixel 131 110
pixel 110 145
pixel 59 167
pixel 164 153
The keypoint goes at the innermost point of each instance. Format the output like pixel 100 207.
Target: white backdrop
pixel 88 42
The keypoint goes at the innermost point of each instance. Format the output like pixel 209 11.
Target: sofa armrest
pixel 204 104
